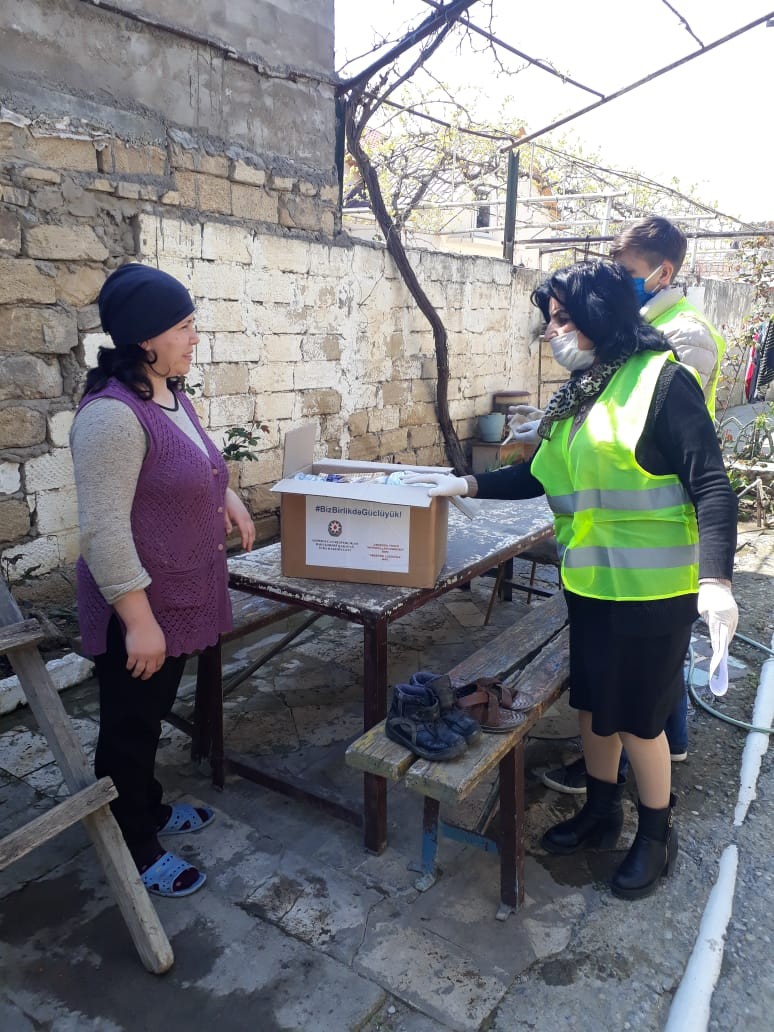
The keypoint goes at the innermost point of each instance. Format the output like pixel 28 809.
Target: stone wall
pixel 297 321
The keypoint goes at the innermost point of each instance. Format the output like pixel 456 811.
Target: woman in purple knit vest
pixel 154 509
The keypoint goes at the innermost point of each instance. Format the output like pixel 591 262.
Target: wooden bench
pixel 532 657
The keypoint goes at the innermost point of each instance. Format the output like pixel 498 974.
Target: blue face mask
pixel 643 294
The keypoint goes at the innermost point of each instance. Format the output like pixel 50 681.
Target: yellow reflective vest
pixel 683 307
pixel 623 533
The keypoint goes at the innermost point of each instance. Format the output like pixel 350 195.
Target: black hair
pixel 600 299
pixel 127 365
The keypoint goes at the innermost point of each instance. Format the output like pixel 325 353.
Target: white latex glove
pixel 526 433
pixel 519 417
pixel 518 414
pixel 445 485
pixel 718 609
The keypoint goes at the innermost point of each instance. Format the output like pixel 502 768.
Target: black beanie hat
pixel 138 302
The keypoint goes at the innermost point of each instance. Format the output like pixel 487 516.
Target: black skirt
pixel 628 679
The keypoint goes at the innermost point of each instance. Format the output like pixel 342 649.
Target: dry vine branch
pixel 360 107
pixel 396 250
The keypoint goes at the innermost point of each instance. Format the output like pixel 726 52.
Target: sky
pixel 708 123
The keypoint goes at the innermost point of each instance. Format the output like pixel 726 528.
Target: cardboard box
pixel 363 533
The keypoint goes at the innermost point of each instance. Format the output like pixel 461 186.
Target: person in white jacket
pixel 652 250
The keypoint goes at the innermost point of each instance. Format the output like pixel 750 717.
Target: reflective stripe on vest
pixel 635 538
pixel 684 307
pixel 633 558
pixel 625 501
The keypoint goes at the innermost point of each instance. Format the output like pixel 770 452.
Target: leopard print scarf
pixel 580 388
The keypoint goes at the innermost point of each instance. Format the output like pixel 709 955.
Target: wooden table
pixel 500 531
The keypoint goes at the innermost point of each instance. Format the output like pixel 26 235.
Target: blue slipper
pixel 185 814
pixel 160 877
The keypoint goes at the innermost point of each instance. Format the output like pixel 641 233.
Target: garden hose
pixel 716 713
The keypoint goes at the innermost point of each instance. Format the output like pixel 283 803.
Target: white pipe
pixel 690 1010
pixel 757 742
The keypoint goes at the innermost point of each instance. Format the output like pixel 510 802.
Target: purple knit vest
pixel 178 530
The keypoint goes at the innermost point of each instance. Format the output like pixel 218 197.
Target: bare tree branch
pixel 444 14
pixel 368 102
pixel 354 131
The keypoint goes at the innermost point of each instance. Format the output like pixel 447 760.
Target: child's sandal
pixel 489 702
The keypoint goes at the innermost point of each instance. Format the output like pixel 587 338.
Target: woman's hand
pixel 717 607
pixel 526 433
pixel 518 414
pixel 146 649
pixel 444 484
pixel 237 515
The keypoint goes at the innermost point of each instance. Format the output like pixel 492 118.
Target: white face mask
pixel 568 354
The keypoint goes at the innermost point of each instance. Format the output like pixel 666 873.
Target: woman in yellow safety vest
pixel 645 523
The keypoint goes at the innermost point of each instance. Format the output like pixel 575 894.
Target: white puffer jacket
pixel 690 338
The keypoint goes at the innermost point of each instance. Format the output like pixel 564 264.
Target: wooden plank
pixel 25 632
pixel 44 701
pixel 55 820
pixel 130 894
pixel 540 678
pixel 509 650
pixel 138 912
pixel 375 753
pixel 452 780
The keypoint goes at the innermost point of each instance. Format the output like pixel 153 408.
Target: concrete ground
pixel 298 928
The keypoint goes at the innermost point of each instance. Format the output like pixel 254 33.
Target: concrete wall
pixel 95 70
pixel 727 304
pixel 282 32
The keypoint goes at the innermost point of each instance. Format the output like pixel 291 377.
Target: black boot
pixel 451 714
pixel 414 721
pixel 651 856
pixel 596 825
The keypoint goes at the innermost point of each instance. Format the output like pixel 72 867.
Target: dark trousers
pixel 130 714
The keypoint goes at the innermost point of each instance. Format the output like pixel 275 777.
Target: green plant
pixel 241 442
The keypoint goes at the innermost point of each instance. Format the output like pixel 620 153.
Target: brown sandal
pixel 489 702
